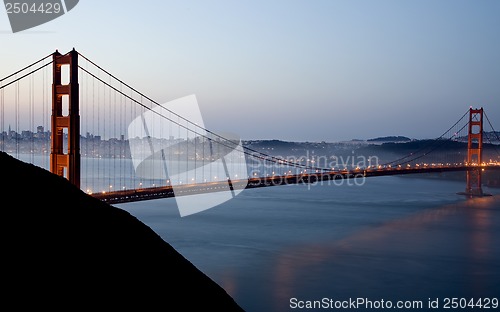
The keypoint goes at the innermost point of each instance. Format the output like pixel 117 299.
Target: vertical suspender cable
pixel 17 119
pixel 2 116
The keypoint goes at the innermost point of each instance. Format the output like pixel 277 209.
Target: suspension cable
pixel 259 155
pixel 494 133
pixel 23 69
pixel 437 140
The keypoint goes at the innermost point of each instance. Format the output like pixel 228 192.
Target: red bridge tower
pixel 475 153
pixel 65 161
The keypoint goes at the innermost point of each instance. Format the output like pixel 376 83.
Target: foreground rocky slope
pixel 63 249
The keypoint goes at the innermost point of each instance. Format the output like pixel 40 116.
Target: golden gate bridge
pixel 119 145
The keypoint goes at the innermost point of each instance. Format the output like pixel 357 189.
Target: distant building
pixel 40 133
pixel 26 135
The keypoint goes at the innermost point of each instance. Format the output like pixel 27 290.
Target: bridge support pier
pixel 65 119
pixel 474 154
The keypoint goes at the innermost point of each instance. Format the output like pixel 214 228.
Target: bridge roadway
pixel 124 196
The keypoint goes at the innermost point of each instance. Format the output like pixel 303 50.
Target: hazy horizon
pixel 320 70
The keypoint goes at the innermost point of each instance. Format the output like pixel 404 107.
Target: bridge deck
pixel 132 195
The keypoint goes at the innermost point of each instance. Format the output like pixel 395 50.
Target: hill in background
pixel 390 139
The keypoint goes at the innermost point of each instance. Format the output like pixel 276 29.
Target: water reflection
pixel 481 239
pixel 417 255
pixel 393 239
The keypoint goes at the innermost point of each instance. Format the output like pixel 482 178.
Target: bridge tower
pixel 475 152
pixel 65 119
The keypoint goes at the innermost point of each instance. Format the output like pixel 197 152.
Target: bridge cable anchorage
pixel 249 151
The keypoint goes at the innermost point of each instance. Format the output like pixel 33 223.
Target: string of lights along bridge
pixel 67 114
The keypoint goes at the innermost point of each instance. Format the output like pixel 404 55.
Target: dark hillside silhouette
pixel 65 250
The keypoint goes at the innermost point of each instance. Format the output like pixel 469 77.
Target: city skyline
pixel 291 70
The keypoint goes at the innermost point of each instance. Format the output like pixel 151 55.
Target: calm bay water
pixel 398 238
pixel 391 239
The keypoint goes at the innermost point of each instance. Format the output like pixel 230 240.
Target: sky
pixel 296 70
